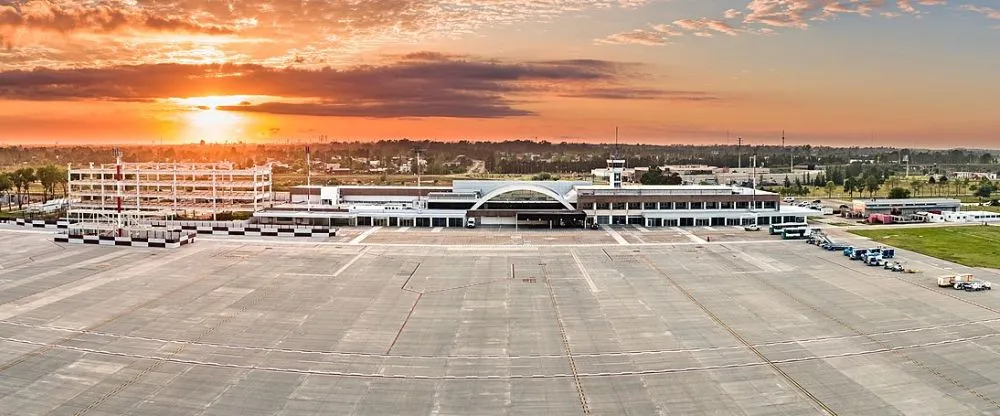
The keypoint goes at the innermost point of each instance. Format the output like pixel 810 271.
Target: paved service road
pixel 553 324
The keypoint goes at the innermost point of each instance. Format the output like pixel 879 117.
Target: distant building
pixel 975 176
pixel 902 207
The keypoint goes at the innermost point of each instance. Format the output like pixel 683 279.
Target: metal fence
pixel 169 236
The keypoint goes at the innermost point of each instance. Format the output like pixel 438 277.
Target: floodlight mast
pixel 119 189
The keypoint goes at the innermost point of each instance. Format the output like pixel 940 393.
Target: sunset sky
pixel 832 72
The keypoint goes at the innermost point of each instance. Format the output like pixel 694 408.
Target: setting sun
pixel 211 102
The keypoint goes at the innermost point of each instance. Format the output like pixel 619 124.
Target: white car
pixel 789 199
pixel 752 227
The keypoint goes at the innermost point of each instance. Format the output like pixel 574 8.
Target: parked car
pixel 752 227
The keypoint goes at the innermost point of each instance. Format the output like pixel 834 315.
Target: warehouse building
pixel 904 207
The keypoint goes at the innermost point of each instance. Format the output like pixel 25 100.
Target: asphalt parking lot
pixel 488 321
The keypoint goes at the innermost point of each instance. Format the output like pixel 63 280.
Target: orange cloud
pixel 423 84
pixel 761 16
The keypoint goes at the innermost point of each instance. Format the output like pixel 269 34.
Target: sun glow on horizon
pixel 204 121
pixel 211 102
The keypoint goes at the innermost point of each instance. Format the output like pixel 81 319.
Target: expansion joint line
pixel 258 296
pixel 577 382
pixel 888 347
pixel 41 351
pixel 819 403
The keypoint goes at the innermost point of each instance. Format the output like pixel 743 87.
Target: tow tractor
pixel 977 285
pixel 894 266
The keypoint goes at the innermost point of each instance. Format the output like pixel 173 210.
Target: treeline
pixel 507 157
pixel 16 185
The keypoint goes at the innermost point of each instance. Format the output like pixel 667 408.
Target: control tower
pixel 616 168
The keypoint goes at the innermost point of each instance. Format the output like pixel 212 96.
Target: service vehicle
pixel 858 253
pixel 894 266
pixel 874 260
pixel 977 285
pixel 834 246
pixel 470 223
pixel 950 280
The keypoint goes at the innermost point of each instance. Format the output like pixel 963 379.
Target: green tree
pixel 6 185
pixel 916 185
pixel 23 178
pixel 545 176
pixel 899 193
pixel 830 186
pixel 49 176
pixel 850 185
pixel 985 189
pixel 655 176
pixel 872 185
pixel 932 183
pixel 893 181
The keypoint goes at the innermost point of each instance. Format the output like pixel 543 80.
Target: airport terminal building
pixel 532 203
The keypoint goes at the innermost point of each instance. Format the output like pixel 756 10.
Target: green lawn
pixel 975 246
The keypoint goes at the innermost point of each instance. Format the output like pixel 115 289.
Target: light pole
pixel 739 153
pixel 753 183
